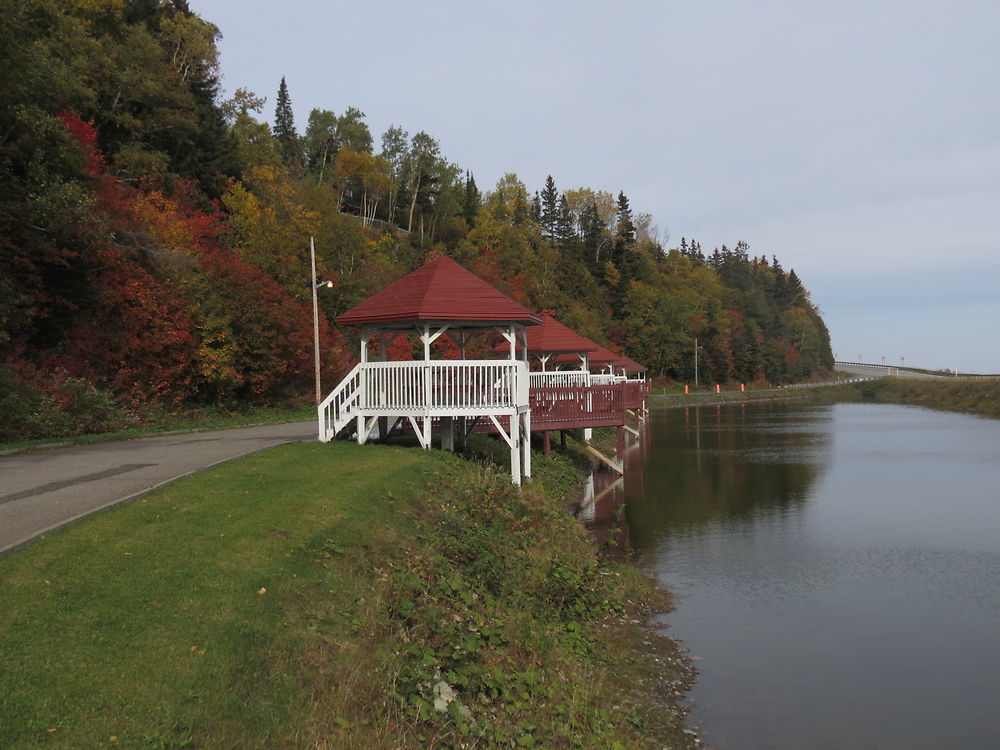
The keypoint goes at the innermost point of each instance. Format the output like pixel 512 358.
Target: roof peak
pixel 441 290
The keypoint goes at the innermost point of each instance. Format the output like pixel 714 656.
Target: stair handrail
pixel 334 412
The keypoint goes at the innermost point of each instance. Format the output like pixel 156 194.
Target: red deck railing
pixel 635 393
pixel 573 408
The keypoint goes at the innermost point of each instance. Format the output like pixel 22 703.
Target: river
pixel 837 571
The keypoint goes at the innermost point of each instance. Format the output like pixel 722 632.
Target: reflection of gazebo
pixel 438 297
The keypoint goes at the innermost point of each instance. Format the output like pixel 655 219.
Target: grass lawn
pixel 979 396
pixel 166 614
pixel 327 596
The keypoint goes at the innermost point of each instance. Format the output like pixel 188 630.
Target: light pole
pixel 314 285
pixel 695 361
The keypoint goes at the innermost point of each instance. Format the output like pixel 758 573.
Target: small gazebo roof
pixel 439 291
pixel 552 337
pixel 598 355
pixel 629 364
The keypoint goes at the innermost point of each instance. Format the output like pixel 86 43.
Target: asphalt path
pixel 44 489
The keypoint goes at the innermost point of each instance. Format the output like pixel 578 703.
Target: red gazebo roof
pixel 552 337
pixel 598 355
pixel 440 291
pixel 630 364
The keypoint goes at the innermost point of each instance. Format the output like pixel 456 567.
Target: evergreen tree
pixel 549 208
pixel 565 226
pixel 471 201
pixel 284 126
pixel 536 208
pixel 624 227
pixel 624 239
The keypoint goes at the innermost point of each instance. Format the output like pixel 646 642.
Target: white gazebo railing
pixel 423 390
pixel 606 379
pixel 560 379
pixel 454 388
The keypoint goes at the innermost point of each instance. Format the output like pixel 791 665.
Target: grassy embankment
pixel 979 396
pixel 669 396
pixel 334 596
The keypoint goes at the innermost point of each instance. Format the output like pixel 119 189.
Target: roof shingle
pixel 440 290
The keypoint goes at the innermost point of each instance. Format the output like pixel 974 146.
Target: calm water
pixel 838 570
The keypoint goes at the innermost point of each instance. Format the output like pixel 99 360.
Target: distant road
pixel 44 489
pixel 882 371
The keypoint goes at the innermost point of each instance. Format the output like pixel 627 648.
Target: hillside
pixel 154 244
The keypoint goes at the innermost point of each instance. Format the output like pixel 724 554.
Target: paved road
pixel 879 372
pixel 44 489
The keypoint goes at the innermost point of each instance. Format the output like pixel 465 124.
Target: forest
pixel 154 236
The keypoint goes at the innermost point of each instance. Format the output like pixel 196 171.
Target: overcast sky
pixel 858 141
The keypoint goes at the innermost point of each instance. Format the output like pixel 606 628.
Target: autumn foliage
pixel 154 240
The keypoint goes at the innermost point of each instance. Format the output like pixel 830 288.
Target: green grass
pixel 320 596
pixel 980 396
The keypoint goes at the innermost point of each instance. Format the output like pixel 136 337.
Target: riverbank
pixel 336 596
pixel 676 400
pixel 979 396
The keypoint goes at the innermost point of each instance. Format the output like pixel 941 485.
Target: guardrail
pixel 872 365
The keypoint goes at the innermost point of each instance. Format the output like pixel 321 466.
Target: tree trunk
pixel 413 203
pixel 322 166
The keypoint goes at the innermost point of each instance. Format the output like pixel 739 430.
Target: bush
pixel 54 405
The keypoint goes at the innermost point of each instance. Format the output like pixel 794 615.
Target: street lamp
pixel 316 285
pixel 696 348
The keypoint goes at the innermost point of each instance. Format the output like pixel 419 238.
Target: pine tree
pixel 624 239
pixel 565 226
pixel 625 229
pixel 471 200
pixel 549 208
pixel 284 126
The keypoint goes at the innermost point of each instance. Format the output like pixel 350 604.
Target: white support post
pixel 425 337
pixel 427 433
pixel 510 337
pixel 515 449
pixel 365 428
pixel 366 336
pixel 527 443
pixel 448 434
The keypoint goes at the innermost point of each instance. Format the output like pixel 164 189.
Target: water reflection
pixel 713 464
pixel 838 570
pixel 602 508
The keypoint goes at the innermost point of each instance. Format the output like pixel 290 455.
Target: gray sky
pixel 857 141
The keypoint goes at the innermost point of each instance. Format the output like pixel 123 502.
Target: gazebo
pixel 439 297
pixel 550 340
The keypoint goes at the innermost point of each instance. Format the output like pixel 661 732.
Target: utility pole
pixel 695 361
pixel 312 285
